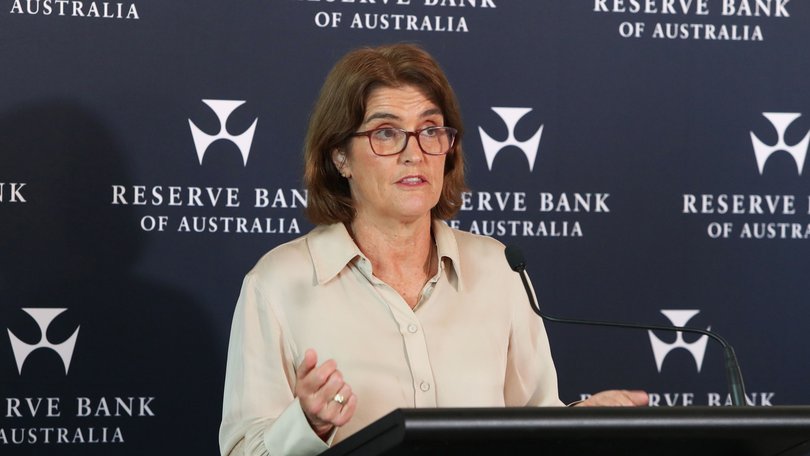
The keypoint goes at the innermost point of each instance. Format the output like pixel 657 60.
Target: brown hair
pixel 339 111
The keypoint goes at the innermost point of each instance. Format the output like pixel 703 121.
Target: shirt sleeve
pixel 531 378
pixel 260 415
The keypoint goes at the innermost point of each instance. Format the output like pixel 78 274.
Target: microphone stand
pixel 734 378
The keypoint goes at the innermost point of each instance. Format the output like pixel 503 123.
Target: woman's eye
pixel 385 134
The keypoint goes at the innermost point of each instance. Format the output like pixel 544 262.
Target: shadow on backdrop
pixel 63 247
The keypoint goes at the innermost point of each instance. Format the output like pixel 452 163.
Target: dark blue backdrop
pixel 649 117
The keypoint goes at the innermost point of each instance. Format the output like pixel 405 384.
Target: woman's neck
pixel 397 251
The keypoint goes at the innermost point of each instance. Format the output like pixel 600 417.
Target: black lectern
pixel 553 431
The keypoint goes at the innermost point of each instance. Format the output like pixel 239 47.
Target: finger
pixel 596 400
pixel 324 405
pixel 624 398
pixel 316 378
pixel 618 399
pixel 321 375
pixel 610 398
pixel 307 364
pixel 335 407
pixel 316 392
pixel 638 398
pixel 347 411
pixel 334 385
pixel 341 397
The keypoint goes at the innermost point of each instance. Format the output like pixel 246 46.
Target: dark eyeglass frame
pixel 452 131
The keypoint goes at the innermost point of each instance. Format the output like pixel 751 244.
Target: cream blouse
pixel 471 341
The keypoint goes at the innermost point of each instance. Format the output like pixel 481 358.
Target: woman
pixel 406 311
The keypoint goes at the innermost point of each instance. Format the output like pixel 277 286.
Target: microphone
pixel 734 378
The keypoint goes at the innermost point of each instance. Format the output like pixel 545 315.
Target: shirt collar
pixel 447 247
pixel 332 248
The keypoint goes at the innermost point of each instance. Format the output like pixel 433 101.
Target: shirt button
pixel 412 328
pixel 424 386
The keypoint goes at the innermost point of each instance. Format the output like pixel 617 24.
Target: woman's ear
pixel 339 160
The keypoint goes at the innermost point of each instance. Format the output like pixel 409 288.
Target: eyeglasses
pixel 392 141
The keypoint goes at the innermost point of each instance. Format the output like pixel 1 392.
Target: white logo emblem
pixel 223 109
pixel 511 116
pixel 662 349
pixel 781 121
pixel 43 317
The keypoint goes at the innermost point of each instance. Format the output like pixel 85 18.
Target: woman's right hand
pixel 317 390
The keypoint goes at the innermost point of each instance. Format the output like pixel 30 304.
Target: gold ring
pixel 339 399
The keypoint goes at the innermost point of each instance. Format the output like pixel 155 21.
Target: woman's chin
pixel 417 211
pixel 410 215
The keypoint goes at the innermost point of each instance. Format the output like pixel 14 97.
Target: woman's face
pixel 402 187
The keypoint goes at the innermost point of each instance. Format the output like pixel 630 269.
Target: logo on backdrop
pixel 519 213
pixel 511 117
pixel 781 121
pixel 223 109
pixel 661 349
pixel 205 208
pixel 63 420
pixel 698 350
pixel 784 214
pixel 43 317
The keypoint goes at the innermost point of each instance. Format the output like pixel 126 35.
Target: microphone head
pixel 515 258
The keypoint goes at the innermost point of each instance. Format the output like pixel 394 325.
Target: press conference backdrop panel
pixel 649 158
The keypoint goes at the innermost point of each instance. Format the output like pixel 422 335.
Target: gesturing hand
pixel 326 399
